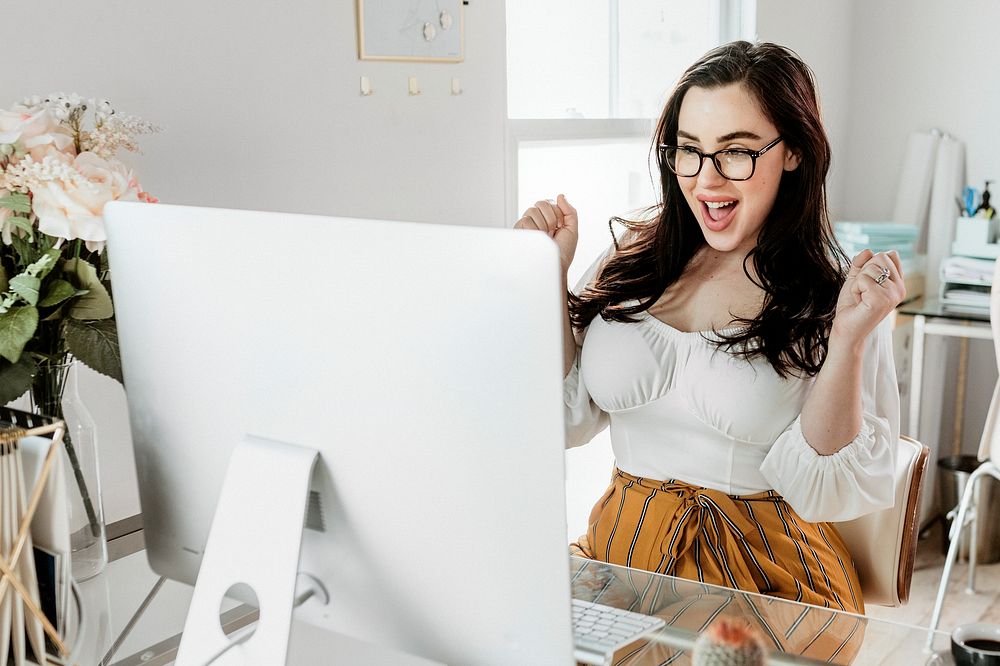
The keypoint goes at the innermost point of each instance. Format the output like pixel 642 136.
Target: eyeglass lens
pixel 734 165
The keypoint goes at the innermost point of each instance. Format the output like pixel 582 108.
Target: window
pixel 611 59
pixel 586 80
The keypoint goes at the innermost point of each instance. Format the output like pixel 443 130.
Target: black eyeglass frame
pixel 752 154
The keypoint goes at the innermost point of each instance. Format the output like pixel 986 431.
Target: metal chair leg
pixel 955 537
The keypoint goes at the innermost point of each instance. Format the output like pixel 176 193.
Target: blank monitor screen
pixel 423 361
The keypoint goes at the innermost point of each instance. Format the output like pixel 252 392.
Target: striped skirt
pixel 755 543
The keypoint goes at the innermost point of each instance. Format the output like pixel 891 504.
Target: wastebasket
pixel 953 475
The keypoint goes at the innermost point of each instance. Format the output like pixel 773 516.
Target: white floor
pixel 960 606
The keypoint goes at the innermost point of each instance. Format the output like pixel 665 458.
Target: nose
pixel 709 176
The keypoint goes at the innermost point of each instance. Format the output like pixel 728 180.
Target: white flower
pixel 102 110
pixel 117 132
pixel 74 210
pixel 36 132
pixel 60 105
pixel 26 175
pixel 47 151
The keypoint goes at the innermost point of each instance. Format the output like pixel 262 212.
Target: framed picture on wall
pixel 423 30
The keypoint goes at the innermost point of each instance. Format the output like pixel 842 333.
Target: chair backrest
pixel 989 445
pixel 884 543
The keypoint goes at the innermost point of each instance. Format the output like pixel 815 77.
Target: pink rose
pixel 108 173
pixel 74 211
pixel 36 132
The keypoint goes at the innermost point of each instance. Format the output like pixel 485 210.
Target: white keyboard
pixel 599 630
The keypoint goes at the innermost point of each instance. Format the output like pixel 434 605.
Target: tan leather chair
pixel 884 543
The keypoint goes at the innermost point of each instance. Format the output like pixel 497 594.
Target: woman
pixel 735 353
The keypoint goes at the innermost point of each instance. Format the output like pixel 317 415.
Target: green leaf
pixel 54 256
pixel 24 224
pixel 17 202
pixel 3 279
pixel 56 314
pixel 17 327
pixel 95 343
pixel 26 287
pixel 15 378
pixel 96 303
pixel 27 253
pixel 58 291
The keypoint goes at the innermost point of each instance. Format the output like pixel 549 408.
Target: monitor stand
pixel 255 539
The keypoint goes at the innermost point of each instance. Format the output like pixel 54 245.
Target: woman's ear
pixel 792 160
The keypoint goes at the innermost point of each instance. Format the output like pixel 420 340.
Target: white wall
pixel 920 64
pixel 260 108
pixel 827 49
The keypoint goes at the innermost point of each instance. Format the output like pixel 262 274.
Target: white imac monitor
pixel 422 362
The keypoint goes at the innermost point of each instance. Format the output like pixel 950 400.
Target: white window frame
pixel 737 20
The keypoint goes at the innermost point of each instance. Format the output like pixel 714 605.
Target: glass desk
pixel 795 633
pixel 932 318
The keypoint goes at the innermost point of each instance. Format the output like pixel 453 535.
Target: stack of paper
pixel 968 270
pixel 966 298
pixel 877 237
pixel 966 283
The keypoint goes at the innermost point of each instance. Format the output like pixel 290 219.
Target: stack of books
pixel 877 237
pixel 883 237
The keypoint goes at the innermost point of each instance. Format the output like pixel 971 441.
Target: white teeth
pixel 718 204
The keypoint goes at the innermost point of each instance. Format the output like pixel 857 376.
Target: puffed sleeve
pixel 584 419
pixel 857 479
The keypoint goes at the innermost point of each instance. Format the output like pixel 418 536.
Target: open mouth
pixel 718 214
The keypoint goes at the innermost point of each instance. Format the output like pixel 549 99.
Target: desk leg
pixel 916 376
pixel 963 371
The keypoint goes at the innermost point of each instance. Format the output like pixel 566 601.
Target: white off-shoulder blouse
pixel 681 408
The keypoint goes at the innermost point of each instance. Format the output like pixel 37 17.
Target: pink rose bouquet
pixel 57 170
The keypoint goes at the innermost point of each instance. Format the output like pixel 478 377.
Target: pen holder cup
pixel 975 231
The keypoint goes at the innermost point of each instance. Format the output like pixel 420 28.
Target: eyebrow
pixel 741 134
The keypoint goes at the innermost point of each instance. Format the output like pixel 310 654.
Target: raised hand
pixel 558 219
pixel 874 286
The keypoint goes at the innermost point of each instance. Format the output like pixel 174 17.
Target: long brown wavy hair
pixel 797 261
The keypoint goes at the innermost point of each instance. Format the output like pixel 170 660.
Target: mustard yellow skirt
pixel 755 543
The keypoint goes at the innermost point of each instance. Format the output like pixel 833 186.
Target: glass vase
pixel 55 392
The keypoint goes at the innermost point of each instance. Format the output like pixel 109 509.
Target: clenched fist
pixel 557 219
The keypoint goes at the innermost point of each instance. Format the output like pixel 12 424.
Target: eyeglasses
pixel 732 163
